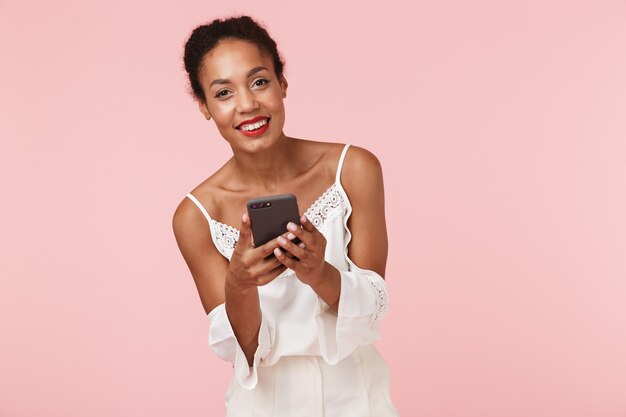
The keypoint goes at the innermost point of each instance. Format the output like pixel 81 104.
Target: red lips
pixel 256 119
pixel 256 132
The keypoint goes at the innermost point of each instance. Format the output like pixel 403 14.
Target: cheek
pixel 276 102
pixel 222 115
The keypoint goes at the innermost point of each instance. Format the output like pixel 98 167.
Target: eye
pixel 222 94
pixel 259 82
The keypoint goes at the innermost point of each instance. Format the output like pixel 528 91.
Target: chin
pixel 260 144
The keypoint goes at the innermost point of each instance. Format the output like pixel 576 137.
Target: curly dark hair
pixel 205 37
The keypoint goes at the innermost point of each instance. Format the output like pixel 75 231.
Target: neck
pixel 270 168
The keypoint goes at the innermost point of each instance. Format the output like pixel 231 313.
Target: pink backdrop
pixel 501 127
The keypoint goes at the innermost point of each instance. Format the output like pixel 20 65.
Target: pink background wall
pixel 501 127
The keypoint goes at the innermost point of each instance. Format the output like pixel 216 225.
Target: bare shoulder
pixel 362 179
pixel 191 228
pixel 207 266
pixel 319 160
pixel 208 193
pixel 361 158
pixel 187 217
pixel 188 214
pixel 361 174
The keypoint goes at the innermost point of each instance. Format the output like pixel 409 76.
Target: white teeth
pixel 254 126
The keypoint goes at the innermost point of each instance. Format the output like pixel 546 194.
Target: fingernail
pixel 244 218
pixel 303 219
pixel 277 252
pixel 291 236
pixel 282 240
pixel 291 226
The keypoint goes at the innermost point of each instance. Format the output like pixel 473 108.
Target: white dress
pixel 310 360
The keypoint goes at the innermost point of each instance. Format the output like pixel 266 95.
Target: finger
pixel 289 254
pixel 292 248
pixel 285 260
pixel 268 264
pixel 271 275
pixel 294 239
pixel 302 234
pixel 268 247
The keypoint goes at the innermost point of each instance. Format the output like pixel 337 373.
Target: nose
pixel 246 102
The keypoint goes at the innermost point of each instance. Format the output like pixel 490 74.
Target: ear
pixel 283 85
pixel 204 109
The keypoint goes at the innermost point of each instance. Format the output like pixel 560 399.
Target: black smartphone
pixel 269 216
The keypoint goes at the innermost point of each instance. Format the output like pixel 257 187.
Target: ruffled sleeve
pixel 223 342
pixel 362 305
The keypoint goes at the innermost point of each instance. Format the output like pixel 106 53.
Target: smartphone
pixel 269 216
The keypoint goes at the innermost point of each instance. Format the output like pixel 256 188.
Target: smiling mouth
pixel 254 126
pixel 255 129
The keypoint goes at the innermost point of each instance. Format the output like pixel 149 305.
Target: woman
pixel 296 320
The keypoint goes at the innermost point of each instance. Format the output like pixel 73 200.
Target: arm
pixel 363 182
pixel 227 290
pixel 207 266
pixel 362 179
pixel 355 300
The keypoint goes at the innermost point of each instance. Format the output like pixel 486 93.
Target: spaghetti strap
pixel 340 165
pixel 223 236
pixel 201 207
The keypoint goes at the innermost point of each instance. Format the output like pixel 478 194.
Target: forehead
pixel 231 58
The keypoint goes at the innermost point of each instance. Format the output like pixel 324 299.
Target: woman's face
pixel 243 95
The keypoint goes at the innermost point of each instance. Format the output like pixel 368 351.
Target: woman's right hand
pixel 249 266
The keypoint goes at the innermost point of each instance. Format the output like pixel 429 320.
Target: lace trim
pixel 227 236
pixel 381 301
pixel 323 209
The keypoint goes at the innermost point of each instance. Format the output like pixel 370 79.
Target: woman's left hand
pixel 307 257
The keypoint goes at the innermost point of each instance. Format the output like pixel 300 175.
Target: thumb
pixel 307 225
pixel 245 234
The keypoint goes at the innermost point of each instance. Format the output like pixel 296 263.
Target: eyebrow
pixel 248 75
